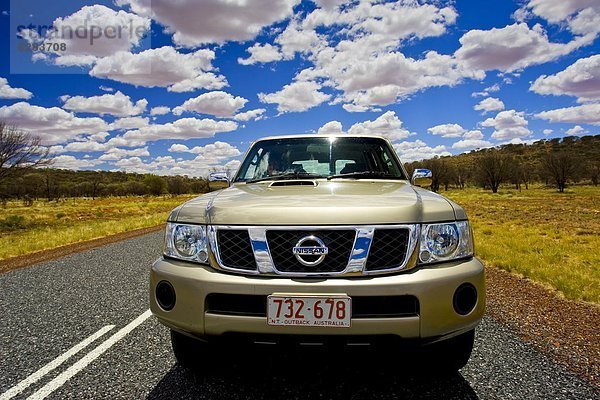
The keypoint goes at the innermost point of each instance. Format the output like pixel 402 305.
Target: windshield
pixel 320 157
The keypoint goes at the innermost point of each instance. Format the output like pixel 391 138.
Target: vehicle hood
pixel 343 202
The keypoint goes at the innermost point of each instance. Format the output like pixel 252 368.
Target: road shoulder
pixel 566 330
pixel 30 259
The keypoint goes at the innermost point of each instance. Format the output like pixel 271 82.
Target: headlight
pixel 443 242
pixel 186 242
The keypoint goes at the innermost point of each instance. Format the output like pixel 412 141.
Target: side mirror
pixel 218 180
pixel 422 177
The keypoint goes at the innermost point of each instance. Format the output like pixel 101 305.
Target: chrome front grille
pixel 351 251
pixel 339 243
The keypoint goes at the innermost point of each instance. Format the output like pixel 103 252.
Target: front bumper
pixel 434 287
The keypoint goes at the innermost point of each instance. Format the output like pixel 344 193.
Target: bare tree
pixel 560 166
pixel 19 151
pixel 493 168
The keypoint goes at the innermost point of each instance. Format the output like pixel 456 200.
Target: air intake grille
pixel 338 242
pixel 235 249
pixel 388 249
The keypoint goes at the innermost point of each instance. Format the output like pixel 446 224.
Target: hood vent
pixel 294 183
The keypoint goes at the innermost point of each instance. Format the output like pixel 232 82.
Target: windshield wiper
pixel 286 175
pixel 365 174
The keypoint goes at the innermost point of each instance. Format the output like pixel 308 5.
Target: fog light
pixel 465 299
pixel 165 295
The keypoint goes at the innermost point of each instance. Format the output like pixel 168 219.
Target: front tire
pixel 188 351
pixel 452 354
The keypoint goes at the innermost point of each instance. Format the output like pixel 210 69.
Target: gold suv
pixel 317 240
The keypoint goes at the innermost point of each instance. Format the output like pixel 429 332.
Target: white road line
pixel 88 358
pixel 37 375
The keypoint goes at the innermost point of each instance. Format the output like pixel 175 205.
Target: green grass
pixel 549 237
pixel 46 225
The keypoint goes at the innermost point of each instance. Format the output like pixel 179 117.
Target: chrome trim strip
pixel 262 254
pixel 356 263
pixel 360 250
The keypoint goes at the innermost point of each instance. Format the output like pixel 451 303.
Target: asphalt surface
pixel 47 309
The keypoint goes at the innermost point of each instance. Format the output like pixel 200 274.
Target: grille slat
pixel 388 249
pixel 339 242
pixel 235 249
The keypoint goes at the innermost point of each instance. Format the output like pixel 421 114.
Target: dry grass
pixel 47 225
pixel 549 237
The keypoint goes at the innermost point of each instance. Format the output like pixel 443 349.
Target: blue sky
pixel 185 88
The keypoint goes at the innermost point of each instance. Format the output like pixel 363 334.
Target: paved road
pixel 100 296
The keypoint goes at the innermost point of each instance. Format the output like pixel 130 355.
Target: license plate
pixel 330 311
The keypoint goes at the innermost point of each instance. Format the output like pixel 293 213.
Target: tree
pixel 440 171
pixel 19 152
pixel 177 185
pixel 560 166
pixel 493 168
pixel 155 184
pixel 594 171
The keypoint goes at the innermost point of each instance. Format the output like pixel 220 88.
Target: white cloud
pixel 576 130
pixel 8 92
pixel 329 4
pixel 295 39
pixel 194 23
pixel 387 125
pixel 96 31
pixel 584 114
pixel 581 79
pixel 218 103
pixel 70 162
pixel 385 78
pixel 508 125
pixel 162 67
pixel 547 131
pixel 447 130
pixel 295 97
pixel 131 164
pixel 489 104
pixel 116 153
pixel 512 48
pixel 53 125
pixel 179 148
pixel 160 110
pixel 355 108
pixel 130 123
pixel 214 152
pixel 167 165
pixel 486 92
pixel 580 16
pixel 331 127
pixel 261 53
pixel 85 146
pixel 106 88
pixel 250 115
pixel 419 150
pixel 184 128
pixel 473 135
pixel 466 144
pixel 359 56
pixel 116 104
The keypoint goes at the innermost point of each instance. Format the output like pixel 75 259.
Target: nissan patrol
pixel 320 239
